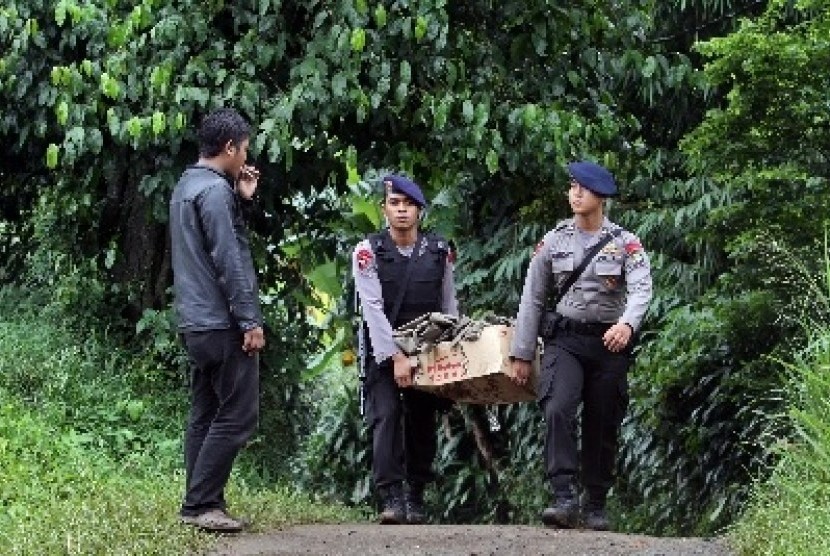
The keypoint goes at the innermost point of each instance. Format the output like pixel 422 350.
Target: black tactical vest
pixel 423 290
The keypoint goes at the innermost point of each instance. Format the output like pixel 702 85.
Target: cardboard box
pixel 476 372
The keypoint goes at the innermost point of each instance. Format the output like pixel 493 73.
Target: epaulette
pixel 437 241
pixel 376 242
pixel 567 223
pixel 616 230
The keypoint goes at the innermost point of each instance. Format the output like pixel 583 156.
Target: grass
pixel 90 451
pixel 86 505
pixel 789 513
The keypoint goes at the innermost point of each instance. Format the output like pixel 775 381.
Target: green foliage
pixel 336 459
pixel 77 381
pixel 709 383
pixel 482 104
pixel 791 499
pixel 492 269
pixel 685 260
pixel 63 496
pixel 495 475
pixel 788 512
pixel 78 441
pixel 776 109
pixel 691 441
pixel 60 495
pixel 156 331
pixel 766 146
pixel 749 233
pixel 90 453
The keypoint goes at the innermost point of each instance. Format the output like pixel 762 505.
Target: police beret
pixel 405 186
pixel 593 177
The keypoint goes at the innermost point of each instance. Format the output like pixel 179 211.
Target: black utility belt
pixel 586 328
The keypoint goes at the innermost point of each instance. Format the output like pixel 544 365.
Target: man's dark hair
pixel 219 127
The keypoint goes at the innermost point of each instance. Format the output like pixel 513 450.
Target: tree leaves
pixel 482 105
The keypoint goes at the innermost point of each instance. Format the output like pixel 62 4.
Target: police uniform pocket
pixel 608 266
pixel 609 271
pixel 562 264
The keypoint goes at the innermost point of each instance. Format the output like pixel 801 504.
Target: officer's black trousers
pixel 577 368
pixel 224 409
pixel 402 424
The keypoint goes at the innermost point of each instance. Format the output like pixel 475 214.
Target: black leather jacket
pixel 214 281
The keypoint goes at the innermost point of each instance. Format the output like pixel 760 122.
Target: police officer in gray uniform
pixel 400 274
pixel 588 341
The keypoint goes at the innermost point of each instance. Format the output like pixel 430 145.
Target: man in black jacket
pixel 400 274
pixel 219 317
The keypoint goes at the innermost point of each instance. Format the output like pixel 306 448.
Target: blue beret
pixel 593 177
pixel 405 186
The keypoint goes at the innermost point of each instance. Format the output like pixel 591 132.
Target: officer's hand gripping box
pixel 476 372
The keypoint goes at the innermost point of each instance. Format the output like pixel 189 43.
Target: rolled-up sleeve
pixel 532 304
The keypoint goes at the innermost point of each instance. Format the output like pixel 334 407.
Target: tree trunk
pixel 143 262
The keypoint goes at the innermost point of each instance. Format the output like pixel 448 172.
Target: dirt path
pixel 459 540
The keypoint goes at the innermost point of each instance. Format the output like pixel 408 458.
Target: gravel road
pixel 460 540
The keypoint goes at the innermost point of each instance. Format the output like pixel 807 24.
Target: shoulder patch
pixel 365 259
pixel 633 246
pixel 539 247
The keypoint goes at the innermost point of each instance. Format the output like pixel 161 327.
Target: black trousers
pixel 578 369
pixel 224 410
pixel 402 423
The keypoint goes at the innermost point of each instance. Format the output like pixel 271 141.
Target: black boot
pixel 415 514
pixel 393 512
pixel 564 509
pixel 594 516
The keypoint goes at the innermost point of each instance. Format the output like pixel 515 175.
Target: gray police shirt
pixel 367 283
pixel 615 287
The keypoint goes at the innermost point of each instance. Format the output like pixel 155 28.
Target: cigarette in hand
pixel 249 173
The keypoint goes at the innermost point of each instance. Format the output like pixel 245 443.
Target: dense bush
pixel 692 438
pixel 81 438
pixel 789 512
pixel 83 381
pixel 483 104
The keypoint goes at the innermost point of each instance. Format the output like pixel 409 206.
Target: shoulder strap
pixel 589 255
